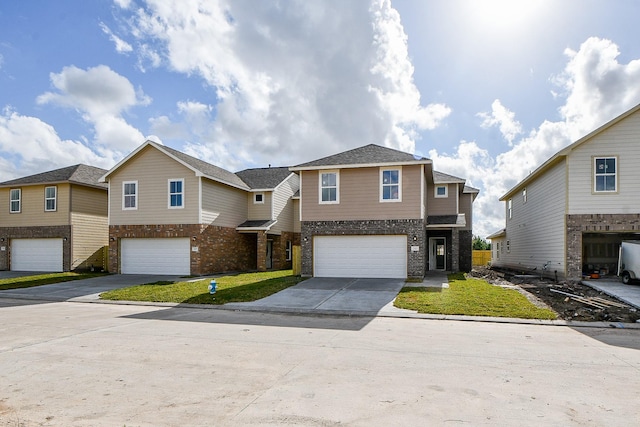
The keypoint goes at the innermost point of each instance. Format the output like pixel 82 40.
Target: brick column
pixel 262 251
pixel 455 250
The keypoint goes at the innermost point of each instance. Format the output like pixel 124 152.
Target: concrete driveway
pixel 337 296
pixel 77 289
pixel 614 287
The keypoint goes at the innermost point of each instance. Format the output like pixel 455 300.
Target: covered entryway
pixel 360 256
pixel 155 256
pixel 36 255
pixel 437 253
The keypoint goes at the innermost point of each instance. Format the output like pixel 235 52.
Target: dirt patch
pixel 540 291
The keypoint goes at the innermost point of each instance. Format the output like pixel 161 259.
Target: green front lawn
pixel 471 297
pixel 242 287
pixel 43 279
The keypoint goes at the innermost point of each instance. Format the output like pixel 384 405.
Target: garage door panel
pixel 156 256
pixel 360 256
pixel 36 255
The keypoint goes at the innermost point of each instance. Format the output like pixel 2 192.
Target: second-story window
pixel 329 187
pixel 605 176
pixel 50 194
pixel 176 193
pixel 524 195
pixel 130 195
pixel 15 200
pixel 391 185
pixel 510 208
pixel 258 198
pixel 440 191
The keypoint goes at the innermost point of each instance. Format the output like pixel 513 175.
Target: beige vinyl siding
pixel 90 227
pixel 536 231
pixel 359 194
pixel 620 141
pixel 152 170
pixel 442 205
pixel 222 205
pixel 90 236
pixel 466 201
pixel 283 204
pixel 32 211
pixel 258 211
pixel 297 225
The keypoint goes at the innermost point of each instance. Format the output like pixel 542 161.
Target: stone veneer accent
pixel 465 247
pixel 408 227
pixel 53 231
pixel 220 249
pixel 593 223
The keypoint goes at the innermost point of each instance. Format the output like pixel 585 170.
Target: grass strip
pixel 242 287
pixel 43 279
pixel 471 297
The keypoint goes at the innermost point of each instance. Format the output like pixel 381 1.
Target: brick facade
pixel 220 249
pixel 44 232
pixel 465 248
pixel 412 228
pixel 576 225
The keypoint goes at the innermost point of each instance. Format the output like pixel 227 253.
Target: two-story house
pixel 171 213
pixel 54 221
pixel 378 212
pixel 569 216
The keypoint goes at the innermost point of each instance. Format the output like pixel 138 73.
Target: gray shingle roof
pixel 369 154
pixel 440 177
pixel 207 169
pixel 264 178
pixel 258 224
pixel 78 174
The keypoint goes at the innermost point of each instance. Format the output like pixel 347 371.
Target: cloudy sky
pixel 487 89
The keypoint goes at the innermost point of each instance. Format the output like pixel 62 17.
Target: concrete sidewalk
pixel 627 293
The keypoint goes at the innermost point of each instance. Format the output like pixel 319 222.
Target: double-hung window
pixel 329 182
pixel 130 195
pixel 176 193
pixel 605 175
pixel 390 185
pixel 15 200
pixel 50 194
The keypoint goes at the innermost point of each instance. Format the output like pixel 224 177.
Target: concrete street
pixel 84 364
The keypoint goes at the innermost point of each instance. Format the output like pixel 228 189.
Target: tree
pixel 479 244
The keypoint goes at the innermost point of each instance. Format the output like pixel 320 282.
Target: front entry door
pixel 437 253
pixel 269 254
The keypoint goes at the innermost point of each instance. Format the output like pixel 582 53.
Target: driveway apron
pixel 333 296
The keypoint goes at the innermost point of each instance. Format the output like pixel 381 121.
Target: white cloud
pixel 596 88
pixel 290 76
pixel 121 45
pixel 36 147
pixel 101 96
pixel 503 118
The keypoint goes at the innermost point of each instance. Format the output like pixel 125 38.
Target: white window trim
pixel 54 198
pixel 399 199
pixel 595 159
pixel 289 250
pixel 19 200
pixel 510 208
pixel 137 196
pixel 330 202
pixel 524 195
pixel 256 202
pixel 169 181
pixel 441 196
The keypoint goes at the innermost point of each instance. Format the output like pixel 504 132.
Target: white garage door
pixel 155 256
pixel 360 256
pixel 36 255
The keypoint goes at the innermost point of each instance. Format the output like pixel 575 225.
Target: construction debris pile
pixel 572 301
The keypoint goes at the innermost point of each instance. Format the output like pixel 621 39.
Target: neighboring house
pixel 378 212
pixel 170 213
pixel 569 216
pixel 54 221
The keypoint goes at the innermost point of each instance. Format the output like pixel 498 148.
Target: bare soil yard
pixel 590 306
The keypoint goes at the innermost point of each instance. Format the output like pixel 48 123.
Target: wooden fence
pixel 297 260
pixel 481 257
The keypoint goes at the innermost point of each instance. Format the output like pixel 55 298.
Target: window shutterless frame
pixel 605 174
pixel 390 184
pixel 130 195
pixel 441 191
pixel 328 187
pixel 176 193
pixel 50 198
pixel 15 202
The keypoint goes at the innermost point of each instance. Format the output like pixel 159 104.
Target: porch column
pixel 455 250
pixel 262 250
